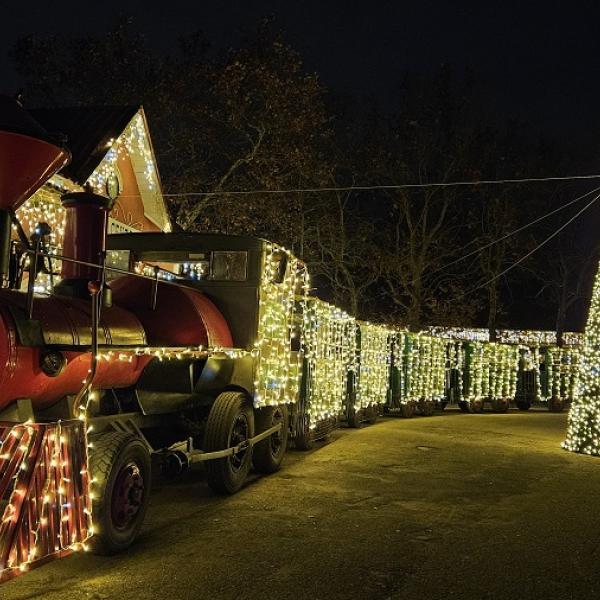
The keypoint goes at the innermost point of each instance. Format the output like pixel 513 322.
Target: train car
pixel 329 357
pixel 547 375
pixel 417 374
pixel 369 377
pixel 480 374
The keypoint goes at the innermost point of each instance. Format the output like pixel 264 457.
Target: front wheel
pixel 230 423
pixel 426 407
pixel 522 405
pixel 120 466
pixel 269 453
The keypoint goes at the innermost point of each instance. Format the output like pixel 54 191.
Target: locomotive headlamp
pixel 52 362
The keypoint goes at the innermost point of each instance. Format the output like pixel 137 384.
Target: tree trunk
pixel 561 315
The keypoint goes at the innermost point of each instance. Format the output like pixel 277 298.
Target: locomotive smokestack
pixel 29 156
pixel 84 240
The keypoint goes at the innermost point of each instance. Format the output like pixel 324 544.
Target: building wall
pixel 129 208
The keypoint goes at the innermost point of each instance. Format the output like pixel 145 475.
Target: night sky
pixel 537 61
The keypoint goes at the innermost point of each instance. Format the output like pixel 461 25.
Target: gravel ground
pixel 453 506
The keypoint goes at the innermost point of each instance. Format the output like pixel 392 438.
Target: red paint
pixel 85 233
pixel 65 321
pixel 26 163
pixel 183 316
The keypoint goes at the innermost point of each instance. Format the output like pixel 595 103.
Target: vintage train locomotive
pixel 182 348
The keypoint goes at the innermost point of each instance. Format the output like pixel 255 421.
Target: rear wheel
pixel 269 453
pixel 556 404
pixel 500 405
pixel 426 407
pixel 463 405
pixel 523 405
pixel 408 409
pixel 303 437
pixel 476 406
pixel 120 466
pixel 356 418
pixel 372 413
pixel 230 423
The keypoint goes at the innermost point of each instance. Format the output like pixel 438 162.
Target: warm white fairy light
pixel 133 140
pixel 329 347
pixel 373 365
pixel 278 366
pixel 583 434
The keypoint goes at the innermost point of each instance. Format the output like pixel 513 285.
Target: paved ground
pixel 454 506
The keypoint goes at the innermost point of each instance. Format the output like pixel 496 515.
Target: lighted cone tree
pixel 583 434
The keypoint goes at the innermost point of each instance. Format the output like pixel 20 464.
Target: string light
pixel 583 432
pixel 48 513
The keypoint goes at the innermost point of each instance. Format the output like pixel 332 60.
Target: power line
pixel 514 232
pixel 366 188
pixel 543 243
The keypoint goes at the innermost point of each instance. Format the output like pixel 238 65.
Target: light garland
pixel 424 367
pixel 373 375
pixel 507 336
pixel 278 366
pixel 44 478
pixel 583 433
pixel 329 348
pixel 133 140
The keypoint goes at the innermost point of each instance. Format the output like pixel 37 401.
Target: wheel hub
pixel 128 496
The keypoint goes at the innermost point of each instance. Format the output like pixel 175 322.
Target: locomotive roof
pixel 159 241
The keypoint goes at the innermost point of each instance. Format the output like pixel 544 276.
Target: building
pixel 111 152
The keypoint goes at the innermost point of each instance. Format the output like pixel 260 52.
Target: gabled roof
pixel 89 130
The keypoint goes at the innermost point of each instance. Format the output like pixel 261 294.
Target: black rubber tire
pixel 555 404
pixel 356 418
pixel 303 437
pixel 408 410
pixel 463 405
pixel 500 405
pixel 227 475
pixel 523 405
pixel 269 453
pixel 426 408
pixel 476 406
pixel 372 413
pixel 441 405
pixel 109 454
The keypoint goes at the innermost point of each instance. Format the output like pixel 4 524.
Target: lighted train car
pixel 369 376
pixel 547 374
pixel 481 373
pixel 499 374
pixel 417 374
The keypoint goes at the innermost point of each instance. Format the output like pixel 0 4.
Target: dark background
pixel 535 65
pixel 537 61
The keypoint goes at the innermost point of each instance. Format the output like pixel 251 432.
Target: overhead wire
pixel 382 187
pixel 533 251
pixel 514 232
